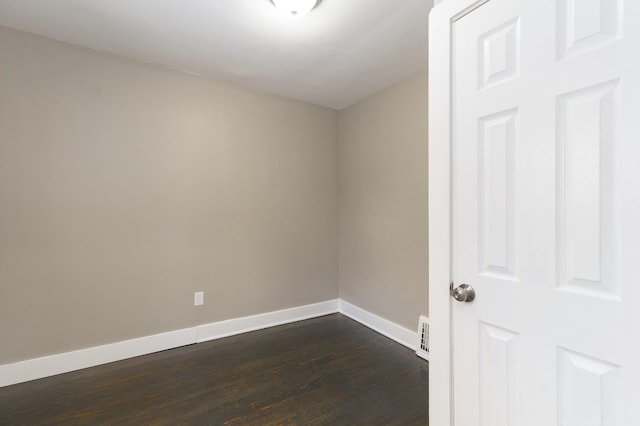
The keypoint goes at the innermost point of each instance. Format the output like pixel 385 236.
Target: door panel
pixel 544 191
pixel 587 137
pixel 585 24
pixel 497 252
pixel 581 379
pixel 499 356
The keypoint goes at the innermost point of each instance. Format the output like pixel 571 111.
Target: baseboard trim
pixel 383 326
pixel 39 368
pixel 218 330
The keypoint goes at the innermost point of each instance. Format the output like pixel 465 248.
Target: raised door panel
pixel 587 138
pixel 497 195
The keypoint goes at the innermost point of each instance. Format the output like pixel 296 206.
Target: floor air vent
pixel 423 338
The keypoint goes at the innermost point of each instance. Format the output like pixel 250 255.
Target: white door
pixel 545 213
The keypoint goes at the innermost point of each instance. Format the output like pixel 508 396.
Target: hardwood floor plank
pixel 324 371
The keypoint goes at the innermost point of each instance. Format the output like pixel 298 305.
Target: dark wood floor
pixel 325 371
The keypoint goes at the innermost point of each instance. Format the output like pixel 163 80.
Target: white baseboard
pixel 38 368
pixel 383 326
pixel 218 330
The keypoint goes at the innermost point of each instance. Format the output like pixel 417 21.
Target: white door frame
pixel 440 367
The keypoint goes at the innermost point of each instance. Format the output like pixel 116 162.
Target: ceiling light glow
pixel 295 8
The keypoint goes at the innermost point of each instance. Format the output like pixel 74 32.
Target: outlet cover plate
pixel 198 298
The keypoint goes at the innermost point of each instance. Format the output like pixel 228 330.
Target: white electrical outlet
pixel 198 298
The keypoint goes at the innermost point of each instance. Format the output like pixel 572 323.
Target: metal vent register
pixel 423 338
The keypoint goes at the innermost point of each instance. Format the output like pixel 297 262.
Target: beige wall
pixel 125 187
pixel 383 203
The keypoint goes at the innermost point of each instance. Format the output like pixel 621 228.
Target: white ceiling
pixel 343 51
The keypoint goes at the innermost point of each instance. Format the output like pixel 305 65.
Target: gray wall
pixel 125 187
pixel 383 203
